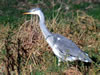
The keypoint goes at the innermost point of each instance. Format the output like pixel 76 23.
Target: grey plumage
pixel 63 48
pixel 67 48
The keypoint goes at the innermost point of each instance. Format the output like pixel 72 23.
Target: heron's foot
pixel 59 61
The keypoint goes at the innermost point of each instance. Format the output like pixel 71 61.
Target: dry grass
pixel 72 71
pixel 27 51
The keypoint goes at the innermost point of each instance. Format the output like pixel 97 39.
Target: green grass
pixel 10 14
pixel 95 12
pixel 92 11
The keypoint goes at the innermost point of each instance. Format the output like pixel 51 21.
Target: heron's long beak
pixel 27 13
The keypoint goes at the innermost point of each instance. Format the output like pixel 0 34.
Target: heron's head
pixel 34 11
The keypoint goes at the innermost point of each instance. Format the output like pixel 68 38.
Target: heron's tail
pixel 88 60
pixel 85 58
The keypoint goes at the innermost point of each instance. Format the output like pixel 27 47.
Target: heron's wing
pixel 66 46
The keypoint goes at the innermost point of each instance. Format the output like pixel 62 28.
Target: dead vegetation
pixel 27 51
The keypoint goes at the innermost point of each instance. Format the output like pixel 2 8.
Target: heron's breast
pixel 50 42
pixel 56 51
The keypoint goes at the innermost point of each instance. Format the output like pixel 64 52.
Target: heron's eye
pixel 32 10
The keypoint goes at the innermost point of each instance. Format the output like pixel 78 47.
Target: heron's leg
pixel 59 61
pixel 67 62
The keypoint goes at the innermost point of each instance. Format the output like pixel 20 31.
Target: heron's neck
pixel 43 27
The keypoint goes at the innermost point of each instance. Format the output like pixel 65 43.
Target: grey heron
pixel 63 48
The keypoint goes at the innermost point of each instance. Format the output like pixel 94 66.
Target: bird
pixel 63 48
